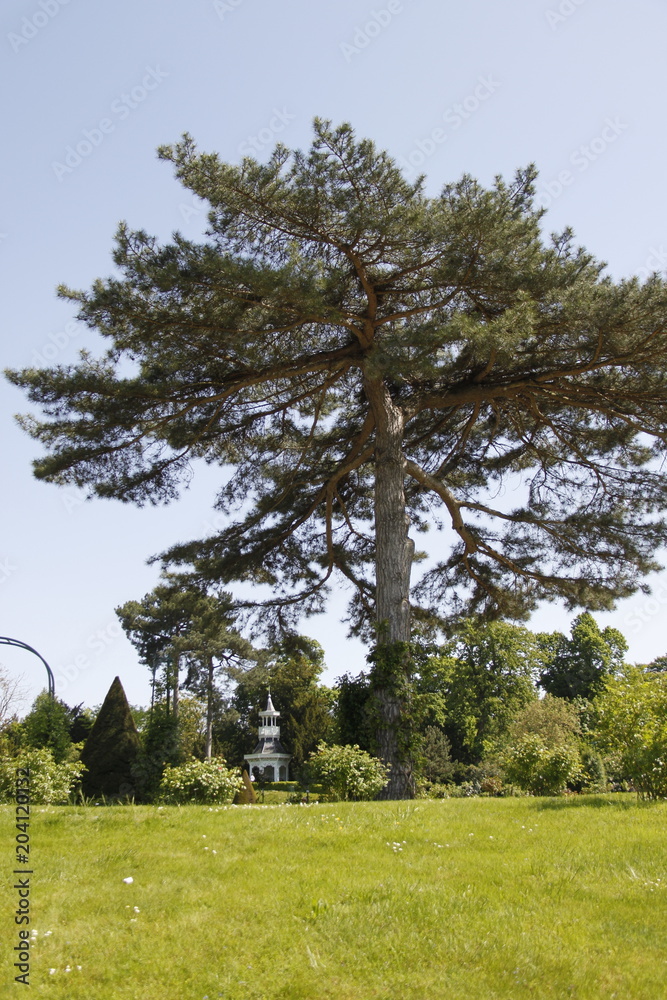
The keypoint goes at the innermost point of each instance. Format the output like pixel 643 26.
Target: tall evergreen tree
pixel 365 357
pixel 112 747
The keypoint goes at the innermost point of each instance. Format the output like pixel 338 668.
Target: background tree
pixel 353 711
pixel 489 672
pixel 659 665
pixel 112 747
pixel 180 622
pixel 47 725
pixel 12 695
pixel 364 357
pixel 435 756
pixel 156 626
pixel 630 729
pixel 215 650
pixel 577 667
pixel 291 669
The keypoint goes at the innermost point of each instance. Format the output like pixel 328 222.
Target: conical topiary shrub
pixel 111 748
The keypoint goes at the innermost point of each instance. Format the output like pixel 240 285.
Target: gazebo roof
pixel 270 747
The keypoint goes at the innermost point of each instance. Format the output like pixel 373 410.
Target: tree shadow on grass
pixel 622 802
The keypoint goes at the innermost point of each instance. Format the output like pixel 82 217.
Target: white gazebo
pixel 269 757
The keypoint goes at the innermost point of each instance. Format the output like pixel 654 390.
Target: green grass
pixel 478 898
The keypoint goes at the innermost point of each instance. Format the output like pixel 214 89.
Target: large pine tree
pixel 365 357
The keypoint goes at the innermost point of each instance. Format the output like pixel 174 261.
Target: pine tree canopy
pixel 340 337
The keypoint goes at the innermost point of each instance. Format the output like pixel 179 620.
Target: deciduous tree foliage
pixel 630 716
pixel 291 670
pixel 487 672
pixel 577 666
pixel 362 357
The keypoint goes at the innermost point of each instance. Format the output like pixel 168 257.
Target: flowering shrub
pixel 200 781
pixel 539 767
pixel 346 772
pixel 50 783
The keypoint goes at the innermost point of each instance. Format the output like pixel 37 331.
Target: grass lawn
pixel 461 898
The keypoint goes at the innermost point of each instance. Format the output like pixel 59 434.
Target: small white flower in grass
pixel 214 852
pixel 79 968
pixel 129 880
pixel 51 971
pixel 68 968
pixel 136 909
pixel 47 933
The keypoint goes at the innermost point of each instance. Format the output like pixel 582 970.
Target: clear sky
pixel 91 89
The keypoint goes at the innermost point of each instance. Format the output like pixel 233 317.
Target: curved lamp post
pixel 6 641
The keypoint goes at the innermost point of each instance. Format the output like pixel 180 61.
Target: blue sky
pixel 576 86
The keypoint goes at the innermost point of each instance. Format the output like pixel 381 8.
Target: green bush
pixel 200 781
pixel 593 776
pixel 540 768
pixel 51 783
pixel 346 772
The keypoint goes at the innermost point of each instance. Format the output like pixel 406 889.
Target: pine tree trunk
pixel 390 677
pixel 209 709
